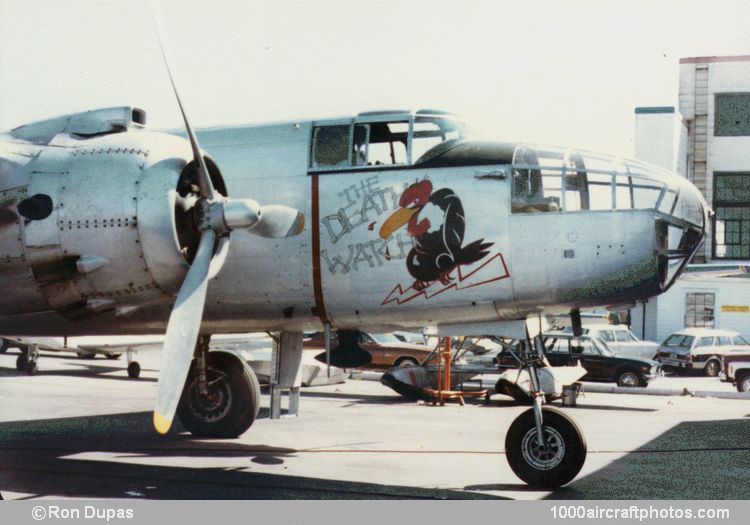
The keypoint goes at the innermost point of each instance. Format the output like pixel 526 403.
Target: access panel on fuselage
pixel 398 241
pixel 264 283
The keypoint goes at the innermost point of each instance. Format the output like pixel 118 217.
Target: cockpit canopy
pixel 549 180
pixel 544 179
pixel 541 179
pixel 383 138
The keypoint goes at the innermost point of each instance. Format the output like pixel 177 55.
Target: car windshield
pixel 739 340
pixel 679 341
pixel 603 348
pixel 386 339
pixel 624 336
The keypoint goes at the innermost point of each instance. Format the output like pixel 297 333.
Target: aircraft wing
pixel 89 345
pixel 121 344
pixel 49 344
pixel 119 348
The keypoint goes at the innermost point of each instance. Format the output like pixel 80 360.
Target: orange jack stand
pixel 444 391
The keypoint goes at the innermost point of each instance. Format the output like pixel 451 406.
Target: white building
pixel 708 141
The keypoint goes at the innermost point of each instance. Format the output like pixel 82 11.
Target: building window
pixel 732 115
pixel 699 309
pixel 732 222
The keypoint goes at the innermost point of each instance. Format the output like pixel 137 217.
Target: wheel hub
pixel 540 456
pixel 212 406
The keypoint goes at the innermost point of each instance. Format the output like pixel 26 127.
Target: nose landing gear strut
pixel 544 447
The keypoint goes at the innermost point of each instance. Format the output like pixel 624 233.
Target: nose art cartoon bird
pixel 436 222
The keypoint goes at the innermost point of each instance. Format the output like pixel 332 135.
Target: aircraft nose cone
pixel 682 226
pixel 690 205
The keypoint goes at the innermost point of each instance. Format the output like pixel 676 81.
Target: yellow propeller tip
pixel 161 423
pixel 301 225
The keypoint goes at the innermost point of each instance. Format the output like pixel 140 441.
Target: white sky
pixel 558 72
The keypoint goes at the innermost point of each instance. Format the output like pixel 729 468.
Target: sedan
pixel 386 349
pixel 600 362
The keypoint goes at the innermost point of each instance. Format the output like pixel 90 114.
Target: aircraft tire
pixel 31 368
pixel 234 399
pixel 134 370
pixel 550 470
pixel 112 355
pixel 21 362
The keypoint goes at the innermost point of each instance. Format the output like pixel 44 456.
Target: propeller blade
pixel 222 249
pixel 277 221
pixel 182 334
pixel 204 181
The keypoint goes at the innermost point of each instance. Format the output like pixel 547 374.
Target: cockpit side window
pixel 372 144
pixel 531 191
pixel 387 143
pixel 429 132
pixel 359 144
pixel 330 146
pixel 375 141
pixel 577 184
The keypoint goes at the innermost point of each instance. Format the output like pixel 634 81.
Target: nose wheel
pixel 552 463
pixel 544 447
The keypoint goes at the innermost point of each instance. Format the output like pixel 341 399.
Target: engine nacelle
pixel 111 239
pixel 85 125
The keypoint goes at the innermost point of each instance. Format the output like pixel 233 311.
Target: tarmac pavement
pixel 81 428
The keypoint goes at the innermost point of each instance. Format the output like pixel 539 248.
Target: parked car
pixel 386 349
pixel 620 340
pixel 416 338
pixel 699 349
pixel 601 364
pixel 737 370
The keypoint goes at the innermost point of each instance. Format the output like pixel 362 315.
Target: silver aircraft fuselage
pixel 408 224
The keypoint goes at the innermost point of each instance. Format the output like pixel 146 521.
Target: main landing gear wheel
pixel 31 368
pixel 26 362
pixel 134 370
pixel 231 403
pixel 551 466
pixel 112 355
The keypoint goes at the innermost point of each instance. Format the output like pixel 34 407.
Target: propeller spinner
pixel 217 216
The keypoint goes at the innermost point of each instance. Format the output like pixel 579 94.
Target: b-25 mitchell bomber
pixel 381 221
